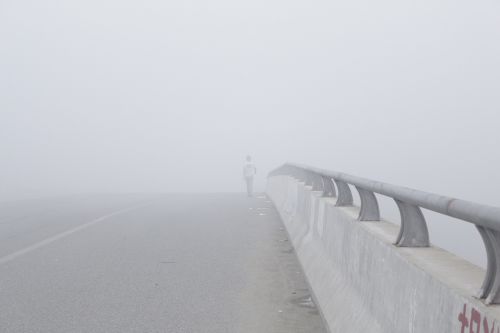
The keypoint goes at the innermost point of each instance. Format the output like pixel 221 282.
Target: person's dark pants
pixel 249 181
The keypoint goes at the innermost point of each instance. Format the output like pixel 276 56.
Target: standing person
pixel 249 170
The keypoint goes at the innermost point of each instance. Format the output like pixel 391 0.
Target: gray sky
pixel 151 95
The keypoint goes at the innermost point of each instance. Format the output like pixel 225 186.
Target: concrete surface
pixel 150 263
pixel 363 283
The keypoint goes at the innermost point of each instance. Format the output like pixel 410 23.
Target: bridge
pixel 300 258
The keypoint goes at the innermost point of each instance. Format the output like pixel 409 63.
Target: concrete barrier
pixel 363 283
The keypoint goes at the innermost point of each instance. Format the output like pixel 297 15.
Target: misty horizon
pixel 122 97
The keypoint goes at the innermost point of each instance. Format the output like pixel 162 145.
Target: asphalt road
pixel 150 263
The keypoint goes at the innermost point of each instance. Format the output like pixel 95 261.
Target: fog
pixel 169 96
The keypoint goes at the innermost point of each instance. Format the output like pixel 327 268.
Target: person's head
pixel 249 158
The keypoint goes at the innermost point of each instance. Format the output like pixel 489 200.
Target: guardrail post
pixel 345 196
pixel 302 176
pixel 317 182
pixel 328 188
pixel 309 178
pixel 413 231
pixel 369 206
pixel 295 173
pixel 284 171
pixel 490 290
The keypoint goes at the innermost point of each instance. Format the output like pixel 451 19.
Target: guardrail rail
pixel 413 231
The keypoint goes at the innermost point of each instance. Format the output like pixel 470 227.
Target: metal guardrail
pixel 413 231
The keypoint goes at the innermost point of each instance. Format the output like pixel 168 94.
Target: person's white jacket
pixel 249 170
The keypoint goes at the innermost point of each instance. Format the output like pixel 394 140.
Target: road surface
pixel 150 263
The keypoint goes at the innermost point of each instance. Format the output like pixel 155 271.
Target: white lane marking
pixel 47 241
